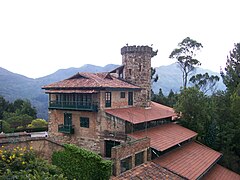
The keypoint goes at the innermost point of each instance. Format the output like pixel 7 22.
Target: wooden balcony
pixel 74 105
pixel 67 129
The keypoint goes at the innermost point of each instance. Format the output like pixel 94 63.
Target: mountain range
pixel 15 86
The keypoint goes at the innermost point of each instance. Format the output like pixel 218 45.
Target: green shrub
pixel 21 163
pixel 33 129
pixel 78 163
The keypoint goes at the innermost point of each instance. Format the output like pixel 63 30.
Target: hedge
pixel 36 129
pixel 79 163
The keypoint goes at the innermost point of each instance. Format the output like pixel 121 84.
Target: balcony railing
pixel 74 105
pixel 68 129
pixel 114 134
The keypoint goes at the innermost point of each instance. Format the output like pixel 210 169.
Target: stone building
pixel 111 114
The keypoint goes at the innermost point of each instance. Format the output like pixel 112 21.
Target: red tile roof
pixel 91 80
pixel 165 136
pixel 147 171
pixel 191 160
pixel 137 115
pixel 219 172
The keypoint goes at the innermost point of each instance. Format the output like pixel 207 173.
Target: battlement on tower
pixel 138 49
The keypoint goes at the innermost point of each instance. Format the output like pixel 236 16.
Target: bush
pixel 79 163
pixel 37 129
pixel 21 163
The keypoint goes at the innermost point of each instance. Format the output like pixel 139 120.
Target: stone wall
pixel 43 147
pixel 129 149
pixel 117 101
pixel 88 138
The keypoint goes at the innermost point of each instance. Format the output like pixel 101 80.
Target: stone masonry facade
pixel 129 150
pixel 137 70
pixel 88 138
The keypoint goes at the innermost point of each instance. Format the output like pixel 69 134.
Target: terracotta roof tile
pixel 165 136
pixel 148 171
pixel 219 172
pixel 137 115
pixel 191 160
pixel 91 80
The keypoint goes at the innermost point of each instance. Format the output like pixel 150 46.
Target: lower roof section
pixel 165 136
pixel 219 172
pixel 137 115
pixel 191 160
pixel 150 171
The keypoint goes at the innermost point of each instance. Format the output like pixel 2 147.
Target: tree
pixel 192 107
pixel 232 77
pixel 3 106
pixel 154 76
pixel 15 120
pixel 172 98
pixel 24 107
pixel 185 54
pixel 204 82
pixel 38 123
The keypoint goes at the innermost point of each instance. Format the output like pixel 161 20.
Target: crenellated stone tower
pixel 137 70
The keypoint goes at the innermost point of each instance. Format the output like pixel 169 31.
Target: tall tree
pixel 185 55
pixel 192 106
pixel 232 77
pixel 204 82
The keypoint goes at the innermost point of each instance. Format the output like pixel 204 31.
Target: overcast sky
pixel 39 37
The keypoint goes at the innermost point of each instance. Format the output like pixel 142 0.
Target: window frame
pixel 108 99
pixel 126 164
pixel 84 122
pixel 122 94
pixel 139 158
pixel 130 98
pixel 67 119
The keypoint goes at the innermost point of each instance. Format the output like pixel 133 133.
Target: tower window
pixel 140 67
pixel 130 71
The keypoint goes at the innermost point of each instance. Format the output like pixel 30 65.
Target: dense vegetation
pixel 79 163
pixel 22 163
pixel 18 115
pixel 215 117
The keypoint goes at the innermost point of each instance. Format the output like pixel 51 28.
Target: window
pixel 84 122
pixel 130 98
pixel 67 119
pixel 139 158
pixel 126 164
pixel 108 99
pixel 122 95
pixel 130 71
pixel 108 147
